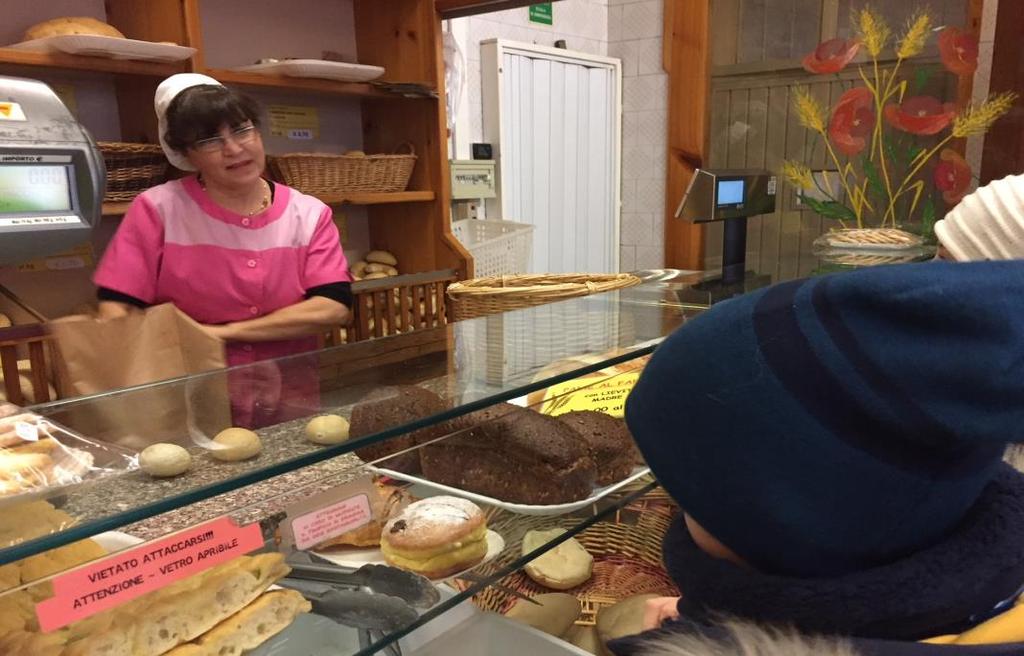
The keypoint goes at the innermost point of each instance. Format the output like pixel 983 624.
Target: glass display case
pixel 120 560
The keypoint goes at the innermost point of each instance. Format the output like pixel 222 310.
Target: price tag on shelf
pixel 294 121
pixel 117 579
pixel 330 513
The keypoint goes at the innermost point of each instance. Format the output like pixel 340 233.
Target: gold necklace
pixel 264 202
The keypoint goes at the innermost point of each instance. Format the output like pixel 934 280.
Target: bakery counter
pixel 513 420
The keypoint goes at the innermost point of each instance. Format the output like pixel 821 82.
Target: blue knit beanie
pixel 829 425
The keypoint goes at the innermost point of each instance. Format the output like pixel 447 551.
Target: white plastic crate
pixel 498 247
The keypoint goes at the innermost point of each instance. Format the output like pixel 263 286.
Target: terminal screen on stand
pixel 730 193
pixel 35 189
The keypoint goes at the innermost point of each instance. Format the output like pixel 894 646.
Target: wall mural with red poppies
pixel 891 146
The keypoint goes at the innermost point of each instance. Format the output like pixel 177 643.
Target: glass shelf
pixel 269 502
pixel 470 365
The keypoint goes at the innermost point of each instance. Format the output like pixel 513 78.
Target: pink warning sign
pixel 112 581
pixel 331 521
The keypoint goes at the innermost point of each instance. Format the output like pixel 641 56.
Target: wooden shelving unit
pixel 402 36
pixel 66 62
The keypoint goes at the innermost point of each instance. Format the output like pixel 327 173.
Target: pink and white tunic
pixel 176 245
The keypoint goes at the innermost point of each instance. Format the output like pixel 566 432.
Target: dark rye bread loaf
pixel 513 454
pixel 387 407
pixel 611 445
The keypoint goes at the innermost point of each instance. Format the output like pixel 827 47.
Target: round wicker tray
pixel 493 294
pixel 627 558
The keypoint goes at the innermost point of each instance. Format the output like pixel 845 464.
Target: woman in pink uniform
pixel 258 263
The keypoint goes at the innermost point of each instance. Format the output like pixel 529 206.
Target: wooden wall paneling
pixel 1003 152
pixel 775 148
pixel 752 31
pixel 689 87
pixel 718 157
pixel 757 142
pixel 739 139
pixel 779 37
pixel 153 20
pixel 725 20
pixel 791 218
pixel 812 225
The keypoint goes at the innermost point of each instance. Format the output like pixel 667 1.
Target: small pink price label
pixel 112 581
pixel 331 521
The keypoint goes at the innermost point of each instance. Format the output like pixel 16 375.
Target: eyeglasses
pixel 240 136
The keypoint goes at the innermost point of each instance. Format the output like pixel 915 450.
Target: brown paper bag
pixel 161 343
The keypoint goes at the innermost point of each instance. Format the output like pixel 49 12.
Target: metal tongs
pixel 375 599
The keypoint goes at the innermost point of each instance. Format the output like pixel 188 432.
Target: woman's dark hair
pixel 199 113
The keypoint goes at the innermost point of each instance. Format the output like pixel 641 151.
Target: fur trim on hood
pixel 747 639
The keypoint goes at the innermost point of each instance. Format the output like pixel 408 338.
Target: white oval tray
pixel 318 68
pixel 519 508
pixel 107 46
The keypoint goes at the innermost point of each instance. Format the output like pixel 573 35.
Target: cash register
pixel 52 176
pixel 730 196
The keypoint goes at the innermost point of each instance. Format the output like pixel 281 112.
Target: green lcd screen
pixel 34 188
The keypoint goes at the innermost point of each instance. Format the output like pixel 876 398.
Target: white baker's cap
pixel 165 93
pixel 988 224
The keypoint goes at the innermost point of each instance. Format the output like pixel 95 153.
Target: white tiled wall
pixel 634 35
pixel 982 76
pixel 630 30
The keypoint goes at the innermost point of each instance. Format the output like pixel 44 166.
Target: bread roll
pixel 5 321
pixel 327 429
pixel 622 619
pixel 236 444
pixel 436 537
pixel 555 615
pixel 164 460
pixel 382 257
pixel 374 267
pixel 586 638
pixel 375 276
pixel 71 25
pixel 562 568
pixel 359 268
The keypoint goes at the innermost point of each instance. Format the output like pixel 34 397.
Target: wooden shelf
pixel 64 61
pixel 115 209
pixel 354 198
pixel 363 198
pixel 354 89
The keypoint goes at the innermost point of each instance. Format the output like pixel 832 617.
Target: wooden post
pixel 1003 153
pixel 687 60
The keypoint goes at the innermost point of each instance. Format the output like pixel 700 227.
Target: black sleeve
pixel 105 294
pixel 336 291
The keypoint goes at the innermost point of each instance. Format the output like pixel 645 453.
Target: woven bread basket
pixel 490 295
pixel 626 549
pixel 132 168
pixel 324 173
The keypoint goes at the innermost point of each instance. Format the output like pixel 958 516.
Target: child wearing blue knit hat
pixel 836 446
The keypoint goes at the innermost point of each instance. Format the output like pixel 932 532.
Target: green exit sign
pixel 542 13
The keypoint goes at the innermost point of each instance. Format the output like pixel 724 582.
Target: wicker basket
pixel 627 558
pixel 489 295
pixel 132 168
pixel 323 173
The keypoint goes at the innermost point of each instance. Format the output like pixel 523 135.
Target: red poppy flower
pixel 952 176
pixel 959 50
pixel 831 56
pixel 852 121
pixel 920 115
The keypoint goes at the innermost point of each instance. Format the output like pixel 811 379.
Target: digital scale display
pixel 730 192
pixel 34 189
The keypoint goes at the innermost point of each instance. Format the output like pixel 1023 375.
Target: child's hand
pixel 658 610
